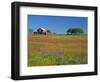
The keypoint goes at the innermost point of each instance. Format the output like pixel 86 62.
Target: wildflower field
pixel 55 49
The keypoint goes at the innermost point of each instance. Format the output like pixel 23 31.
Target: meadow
pixel 48 50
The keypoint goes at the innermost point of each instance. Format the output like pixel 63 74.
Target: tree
pixel 75 31
pixel 30 30
pixel 54 33
pixel 49 31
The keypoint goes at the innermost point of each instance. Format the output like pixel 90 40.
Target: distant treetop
pixel 74 30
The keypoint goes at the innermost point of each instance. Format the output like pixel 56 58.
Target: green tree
pixel 49 31
pixel 30 30
pixel 75 31
pixel 54 33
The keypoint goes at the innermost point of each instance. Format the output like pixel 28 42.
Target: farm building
pixel 40 31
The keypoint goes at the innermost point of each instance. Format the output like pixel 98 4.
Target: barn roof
pixel 43 29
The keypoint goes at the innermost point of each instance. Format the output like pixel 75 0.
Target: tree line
pixel 70 31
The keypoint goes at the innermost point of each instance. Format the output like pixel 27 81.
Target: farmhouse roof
pixel 43 29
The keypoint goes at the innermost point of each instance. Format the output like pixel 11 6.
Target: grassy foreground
pixel 45 50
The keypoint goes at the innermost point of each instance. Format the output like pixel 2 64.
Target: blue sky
pixel 57 24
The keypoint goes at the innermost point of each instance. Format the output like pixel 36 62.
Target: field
pixel 46 50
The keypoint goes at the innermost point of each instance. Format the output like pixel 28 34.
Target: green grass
pixel 55 59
